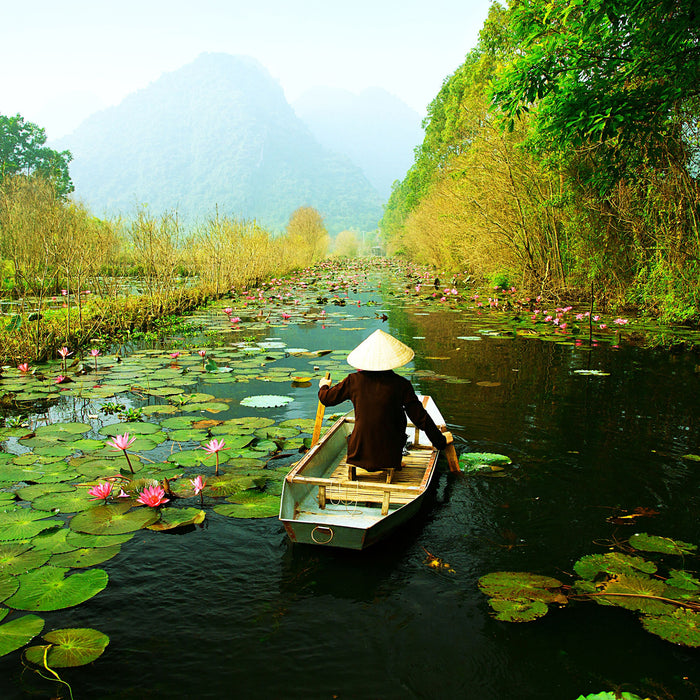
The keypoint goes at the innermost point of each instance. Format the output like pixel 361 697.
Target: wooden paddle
pixel 451 453
pixel 319 419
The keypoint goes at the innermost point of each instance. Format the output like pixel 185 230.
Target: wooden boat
pixel 321 505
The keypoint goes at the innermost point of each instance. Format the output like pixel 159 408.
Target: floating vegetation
pixel 669 605
pixel 487 463
pixel 68 647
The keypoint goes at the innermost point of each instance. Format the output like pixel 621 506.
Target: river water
pixel 233 609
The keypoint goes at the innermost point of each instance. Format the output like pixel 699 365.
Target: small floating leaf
pixel 250 504
pixel 85 557
pixel 16 633
pixel 680 627
pixel 590 565
pixel 266 401
pixel 113 519
pixel 48 588
pixel 519 610
pixel 178 517
pixel 69 647
pixel 521 585
pixel 665 545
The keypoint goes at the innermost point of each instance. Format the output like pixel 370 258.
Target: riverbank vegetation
pixel 563 156
pixel 69 278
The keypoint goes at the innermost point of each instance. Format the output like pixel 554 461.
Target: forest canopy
pixel 563 155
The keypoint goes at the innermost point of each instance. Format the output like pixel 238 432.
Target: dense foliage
pixel 564 155
pixel 23 150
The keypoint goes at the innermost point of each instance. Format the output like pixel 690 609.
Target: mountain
pixel 375 129
pixel 217 133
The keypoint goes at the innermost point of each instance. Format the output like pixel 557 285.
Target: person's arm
pixel 333 395
pixel 421 419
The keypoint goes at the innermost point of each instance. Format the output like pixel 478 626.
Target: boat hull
pixel 320 505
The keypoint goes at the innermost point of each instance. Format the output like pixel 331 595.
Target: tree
pixel 620 76
pixel 307 231
pixel 346 244
pixel 23 151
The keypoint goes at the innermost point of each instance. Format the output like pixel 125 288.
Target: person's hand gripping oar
pixel 319 417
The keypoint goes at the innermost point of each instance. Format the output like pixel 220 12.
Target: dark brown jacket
pixel 381 401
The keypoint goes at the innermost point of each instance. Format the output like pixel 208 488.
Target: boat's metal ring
pixel 323 530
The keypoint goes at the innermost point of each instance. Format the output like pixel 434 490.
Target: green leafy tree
pixel 620 76
pixel 23 151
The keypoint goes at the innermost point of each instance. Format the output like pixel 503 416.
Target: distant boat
pixel 322 505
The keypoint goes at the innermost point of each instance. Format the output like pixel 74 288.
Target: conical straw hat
pixel 380 352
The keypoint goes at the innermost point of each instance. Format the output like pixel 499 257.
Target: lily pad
pixel 591 565
pixel 266 401
pixel 250 504
pixel 113 519
pixel 24 523
pixel 479 461
pixel 65 502
pixel 680 627
pixel 61 431
pixel 178 517
pixel 82 539
pixel 520 585
pixel 16 633
pixel 69 647
pixel 48 588
pixel 85 556
pixel 665 545
pixel 518 610
pixel 19 558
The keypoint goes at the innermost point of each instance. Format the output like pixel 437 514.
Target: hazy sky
pixel 61 60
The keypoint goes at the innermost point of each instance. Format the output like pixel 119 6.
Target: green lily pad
pixel 590 565
pixel 69 647
pixel 680 627
pixel 520 585
pixel 24 523
pixel 8 586
pixel 82 539
pixel 636 592
pixel 132 428
pixel 18 559
pixel 48 588
pixel 483 461
pixel 53 541
pixel 65 502
pixel 188 435
pixel 29 493
pixel 250 504
pixel 518 610
pixel 623 695
pixel 683 580
pixel 665 545
pixel 228 484
pixel 266 401
pixel 113 519
pixel 16 633
pixel 85 556
pixel 178 517
pixel 178 422
pixel 61 431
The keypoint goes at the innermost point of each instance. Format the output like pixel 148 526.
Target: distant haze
pixel 218 134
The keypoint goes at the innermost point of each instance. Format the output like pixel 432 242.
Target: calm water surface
pixel 235 610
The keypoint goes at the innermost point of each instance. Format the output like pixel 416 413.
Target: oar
pixel 319 419
pixel 451 453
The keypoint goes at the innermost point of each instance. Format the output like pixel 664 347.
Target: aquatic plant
pixel 214 447
pixel 123 442
pixel 95 353
pixel 153 496
pixel 103 490
pixel 669 605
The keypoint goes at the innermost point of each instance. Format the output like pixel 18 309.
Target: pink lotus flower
pixel 95 352
pixel 213 447
pixel 24 367
pixel 64 352
pixel 198 484
pixel 122 442
pixel 175 355
pixel 285 315
pixel 235 319
pixel 153 496
pixel 102 490
pixel 228 310
pixel 59 378
pixel 201 353
pixel 621 321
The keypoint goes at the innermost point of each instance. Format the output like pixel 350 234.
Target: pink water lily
pixel 102 490
pixel 153 496
pixel 175 355
pixel 198 485
pixel 235 319
pixel 95 352
pixel 213 447
pixel 122 442
pixel 64 352
pixel 24 367
pixel 201 353
pixel 228 310
pixel 285 315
